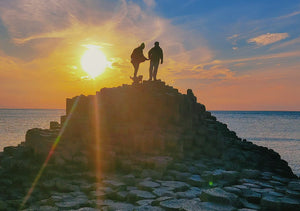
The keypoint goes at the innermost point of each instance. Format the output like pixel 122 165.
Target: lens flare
pixel 49 155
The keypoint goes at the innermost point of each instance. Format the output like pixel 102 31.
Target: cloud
pixel 285 44
pixel 232 37
pixel 54 33
pixel 268 38
pixel 209 72
pixel 289 15
pixel 150 3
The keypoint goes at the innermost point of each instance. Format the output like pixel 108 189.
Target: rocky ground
pixel 138 157
pixel 148 183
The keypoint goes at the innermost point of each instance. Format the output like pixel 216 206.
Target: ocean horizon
pixel 277 130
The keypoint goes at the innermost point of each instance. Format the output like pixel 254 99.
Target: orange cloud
pixel 55 73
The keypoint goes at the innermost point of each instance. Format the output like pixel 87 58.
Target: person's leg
pixel 136 68
pixel 155 70
pixel 150 70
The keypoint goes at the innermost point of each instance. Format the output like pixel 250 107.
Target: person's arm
pixel 162 57
pixel 150 53
pixel 132 54
pixel 145 57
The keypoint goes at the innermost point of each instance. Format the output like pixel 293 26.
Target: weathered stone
pixel 209 206
pixel 47 208
pixel 113 183
pixel 135 195
pixel 280 179
pixel 276 183
pixel 196 180
pixel 248 205
pixel 192 205
pixel 157 201
pixel 294 185
pixel 193 192
pixel 294 194
pixel 241 187
pixel 163 191
pixel 273 193
pixel 129 179
pixel 218 195
pixel 148 185
pixel 250 173
pixel 234 190
pixel 181 176
pixel 122 195
pixel 270 203
pixel 251 185
pixel 151 173
pixel 251 196
pixel 144 202
pixel 112 205
pixel 64 186
pixel 160 162
pixel 230 176
pixel 266 175
pixel 86 209
pixel 265 184
pixel 174 204
pixel 71 204
pixel 175 185
pixel 290 204
pixel 148 208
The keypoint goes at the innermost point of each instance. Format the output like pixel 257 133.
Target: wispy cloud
pixel 286 44
pixel 289 15
pixel 232 37
pixel 268 38
pixel 150 3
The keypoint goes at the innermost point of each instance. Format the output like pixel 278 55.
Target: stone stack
pixel 143 147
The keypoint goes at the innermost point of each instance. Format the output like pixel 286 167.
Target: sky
pixel 234 55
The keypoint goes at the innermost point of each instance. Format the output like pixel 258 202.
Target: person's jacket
pixel 137 55
pixel 155 54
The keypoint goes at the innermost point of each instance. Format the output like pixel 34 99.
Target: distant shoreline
pixel 208 110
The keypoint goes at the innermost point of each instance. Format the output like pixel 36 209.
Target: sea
pixel 277 130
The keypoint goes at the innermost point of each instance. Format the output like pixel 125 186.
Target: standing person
pixel 137 57
pixel 155 55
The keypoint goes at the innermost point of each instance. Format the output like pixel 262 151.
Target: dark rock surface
pixel 142 147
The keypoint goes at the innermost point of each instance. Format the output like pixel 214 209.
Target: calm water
pixel 278 130
pixel 15 122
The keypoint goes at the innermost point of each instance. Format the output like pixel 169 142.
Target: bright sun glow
pixel 93 61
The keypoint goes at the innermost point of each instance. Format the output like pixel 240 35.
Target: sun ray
pixel 31 189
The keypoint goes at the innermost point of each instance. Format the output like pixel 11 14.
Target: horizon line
pixel 206 110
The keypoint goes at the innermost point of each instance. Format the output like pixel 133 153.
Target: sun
pixel 93 61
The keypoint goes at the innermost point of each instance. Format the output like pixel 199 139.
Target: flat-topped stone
pixel 218 195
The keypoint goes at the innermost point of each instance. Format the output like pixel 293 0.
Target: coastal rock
pixel 174 204
pixel 220 196
pixel 139 195
pixel 120 152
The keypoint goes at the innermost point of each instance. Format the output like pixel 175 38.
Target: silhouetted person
pixel 137 57
pixel 155 55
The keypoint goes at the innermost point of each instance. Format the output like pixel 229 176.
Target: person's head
pixel 142 45
pixel 156 43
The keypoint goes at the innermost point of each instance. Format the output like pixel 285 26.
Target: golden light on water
pixel 93 61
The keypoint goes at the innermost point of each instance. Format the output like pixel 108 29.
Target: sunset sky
pixel 235 55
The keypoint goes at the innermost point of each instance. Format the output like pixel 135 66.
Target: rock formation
pixel 145 147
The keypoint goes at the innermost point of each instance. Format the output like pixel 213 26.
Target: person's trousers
pixel 153 69
pixel 136 68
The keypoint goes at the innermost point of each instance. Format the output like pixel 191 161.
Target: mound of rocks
pixel 143 147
